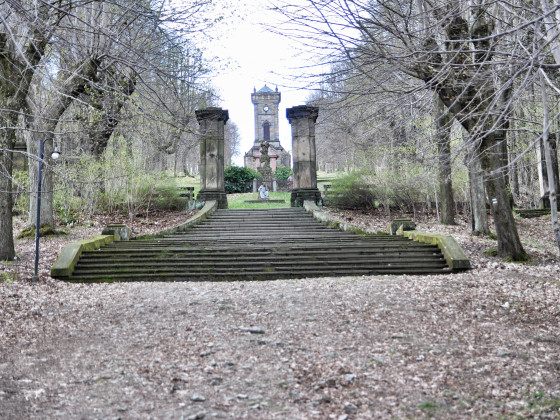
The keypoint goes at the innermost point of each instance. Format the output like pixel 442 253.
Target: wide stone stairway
pixel 260 244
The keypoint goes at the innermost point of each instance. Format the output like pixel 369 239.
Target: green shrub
pixel 351 190
pixel 117 182
pixel 282 173
pixel 168 197
pixel 239 179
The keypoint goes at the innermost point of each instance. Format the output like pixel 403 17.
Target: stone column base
pixel 219 196
pixel 301 194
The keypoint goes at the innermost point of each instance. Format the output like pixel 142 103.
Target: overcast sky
pixel 254 58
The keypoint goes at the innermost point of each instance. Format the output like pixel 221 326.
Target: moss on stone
pixel 45 230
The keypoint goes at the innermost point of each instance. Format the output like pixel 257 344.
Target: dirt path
pixel 481 344
pixel 382 347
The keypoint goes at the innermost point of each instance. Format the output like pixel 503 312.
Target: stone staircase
pixel 259 244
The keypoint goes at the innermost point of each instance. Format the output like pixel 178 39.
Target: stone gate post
pixel 302 119
pixel 212 187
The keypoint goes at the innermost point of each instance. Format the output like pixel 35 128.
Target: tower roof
pixel 265 89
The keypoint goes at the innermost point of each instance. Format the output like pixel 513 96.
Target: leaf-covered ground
pixel 480 344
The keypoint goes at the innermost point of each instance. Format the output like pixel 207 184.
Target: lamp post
pixel 55 155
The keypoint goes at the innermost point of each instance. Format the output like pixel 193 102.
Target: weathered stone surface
pixel 452 252
pixel 232 245
pixel 405 223
pixel 207 209
pixel 119 230
pixel 302 119
pixel 68 258
pixel 212 185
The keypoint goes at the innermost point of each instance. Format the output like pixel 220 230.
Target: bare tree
pixel 232 142
pixel 454 48
pixel 443 136
pixel 22 45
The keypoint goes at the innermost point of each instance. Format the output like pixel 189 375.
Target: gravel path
pixel 480 344
pixel 374 347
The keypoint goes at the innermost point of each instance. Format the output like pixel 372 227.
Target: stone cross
pixel 265 169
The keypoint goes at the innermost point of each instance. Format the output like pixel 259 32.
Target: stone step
pixel 255 276
pixel 256 259
pixel 295 248
pixel 258 244
pixel 259 227
pixel 310 264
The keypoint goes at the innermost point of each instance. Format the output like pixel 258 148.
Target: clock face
pixel 265 108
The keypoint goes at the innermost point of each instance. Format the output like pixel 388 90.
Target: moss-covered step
pixel 64 265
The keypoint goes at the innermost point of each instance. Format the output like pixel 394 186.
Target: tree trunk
pixel 509 244
pixel 443 136
pixel 477 194
pixel 17 74
pixel 43 128
pixel 552 182
pixel 110 108
pixel 7 250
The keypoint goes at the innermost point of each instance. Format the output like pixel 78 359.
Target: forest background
pixel 444 105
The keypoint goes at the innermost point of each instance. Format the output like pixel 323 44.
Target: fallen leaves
pixel 478 344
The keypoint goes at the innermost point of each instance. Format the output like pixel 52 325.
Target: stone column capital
pixel 302 111
pixel 212 113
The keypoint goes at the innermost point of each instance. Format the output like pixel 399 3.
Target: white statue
pixel 263 192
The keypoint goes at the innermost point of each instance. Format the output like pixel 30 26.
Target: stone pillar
pixel 212 186
pixel 302 119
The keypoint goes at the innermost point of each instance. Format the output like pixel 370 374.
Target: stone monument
pixel 265 170
pixel 302 119
pixel 212 185
pixel 263 193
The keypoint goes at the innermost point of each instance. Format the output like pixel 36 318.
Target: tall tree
pixel 454 48
pixel 443 137
pixel 22 45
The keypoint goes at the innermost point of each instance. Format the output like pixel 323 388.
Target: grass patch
pixel 540 403
pixel 492 252
pixel 523 258
pixel 428 406
pixel 237 201
pixel 8 277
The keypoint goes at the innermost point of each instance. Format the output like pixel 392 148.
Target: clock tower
pixel 265 104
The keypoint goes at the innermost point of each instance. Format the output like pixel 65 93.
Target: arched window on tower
pixel 266 131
